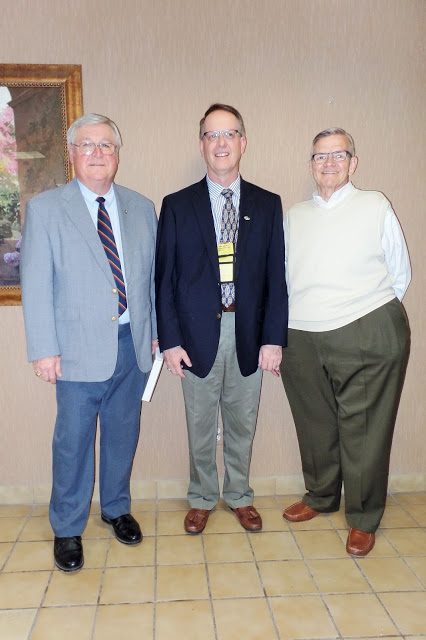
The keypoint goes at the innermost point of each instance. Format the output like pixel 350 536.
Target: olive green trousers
pixel 344 387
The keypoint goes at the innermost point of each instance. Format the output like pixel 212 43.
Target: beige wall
pixel 293 67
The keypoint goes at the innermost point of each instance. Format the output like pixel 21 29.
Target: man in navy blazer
pixel 87 274
pixel 222 311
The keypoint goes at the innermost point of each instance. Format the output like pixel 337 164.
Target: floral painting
pixel 37 105
pixel 10 215
pixel 31 160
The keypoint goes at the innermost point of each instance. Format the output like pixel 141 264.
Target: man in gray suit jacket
pixel 88 299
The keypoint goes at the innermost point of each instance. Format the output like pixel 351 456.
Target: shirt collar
pixel 335 198
pixel 216 189
pixel 91 196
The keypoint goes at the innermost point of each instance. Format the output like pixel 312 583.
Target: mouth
pixel 221 155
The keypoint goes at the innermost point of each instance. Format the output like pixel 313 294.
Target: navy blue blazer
pixel 188 291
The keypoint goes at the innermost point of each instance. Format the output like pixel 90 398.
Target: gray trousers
pixel 344 387
pixel 238 398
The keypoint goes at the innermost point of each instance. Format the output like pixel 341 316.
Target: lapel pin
pixel 125 210
pixel 246 217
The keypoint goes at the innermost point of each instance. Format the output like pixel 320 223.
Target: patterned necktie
pixel 228 233
pixel 108 242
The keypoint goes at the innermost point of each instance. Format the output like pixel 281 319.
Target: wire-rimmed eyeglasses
pixel 87 148
pixel 338 156
pixel 228 134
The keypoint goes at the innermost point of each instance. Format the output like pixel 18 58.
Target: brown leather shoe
pixel 299 512
pixel 249 518
pixel 359 543
pixel 196 520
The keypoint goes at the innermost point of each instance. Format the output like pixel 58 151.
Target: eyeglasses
pixel 228 134
pixel 87 148
pixel 338 156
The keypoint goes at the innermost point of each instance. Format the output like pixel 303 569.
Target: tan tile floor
pixel 287 582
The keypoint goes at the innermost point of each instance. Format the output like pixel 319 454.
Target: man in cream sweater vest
pixel 347 270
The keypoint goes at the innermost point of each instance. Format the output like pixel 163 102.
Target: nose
pixel 97 151
pixel 330 159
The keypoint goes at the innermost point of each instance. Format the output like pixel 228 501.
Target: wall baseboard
pixel 176 489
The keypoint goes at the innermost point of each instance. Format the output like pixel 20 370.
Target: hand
pixel 270 356
pixel 173 358
pixel 154 345
pixel 48 368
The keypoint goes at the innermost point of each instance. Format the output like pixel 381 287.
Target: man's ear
pixel 353 165
pixel 70 153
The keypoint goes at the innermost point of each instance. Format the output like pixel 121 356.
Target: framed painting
pixel 38 102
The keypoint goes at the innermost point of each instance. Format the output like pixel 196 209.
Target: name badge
pixel 225 252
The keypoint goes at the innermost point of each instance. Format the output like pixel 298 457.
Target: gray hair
pixel 90 119
pixel 223 107
pixel 335 131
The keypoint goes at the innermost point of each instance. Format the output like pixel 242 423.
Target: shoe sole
pixel 70 570
pixel 303 518
pixel 360 554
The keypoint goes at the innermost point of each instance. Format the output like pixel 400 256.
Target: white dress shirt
pixel 111 207
pixel 217 200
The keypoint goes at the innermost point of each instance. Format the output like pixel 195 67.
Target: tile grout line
pixel 13 544
pixel 265 595
pixel 101 584
pixel 206 565
pixel 39 608
pixel 320 592
pixel 154 599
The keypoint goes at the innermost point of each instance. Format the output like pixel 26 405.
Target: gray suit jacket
pixel 67 282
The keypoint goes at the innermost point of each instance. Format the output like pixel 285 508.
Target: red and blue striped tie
pixel 108 242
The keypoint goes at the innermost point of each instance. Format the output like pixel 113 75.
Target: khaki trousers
pixel 238 398
pixel 344 387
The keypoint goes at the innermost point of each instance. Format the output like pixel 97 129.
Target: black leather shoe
pixel 126 529
pixel 68 553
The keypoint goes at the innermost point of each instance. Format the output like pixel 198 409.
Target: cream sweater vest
pixel 336 269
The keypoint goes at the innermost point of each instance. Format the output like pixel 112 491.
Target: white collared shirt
pixel 111 207
pixel 217 200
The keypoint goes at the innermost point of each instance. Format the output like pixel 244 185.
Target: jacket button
pixel 113 318
pixel 218 316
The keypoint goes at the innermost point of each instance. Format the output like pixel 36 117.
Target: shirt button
pixel 218 316
pixel 113 318
pixel 114 290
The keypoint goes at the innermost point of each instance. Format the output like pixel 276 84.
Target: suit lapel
pixel 203 212
pixel 77 211
pixel 246 214
pixel 127 237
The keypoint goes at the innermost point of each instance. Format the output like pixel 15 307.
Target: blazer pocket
pixel 69 333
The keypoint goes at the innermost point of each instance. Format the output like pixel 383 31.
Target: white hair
pixel 89 119
pixel 335 131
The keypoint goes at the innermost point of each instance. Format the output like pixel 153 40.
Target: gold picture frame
pixel 38 102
